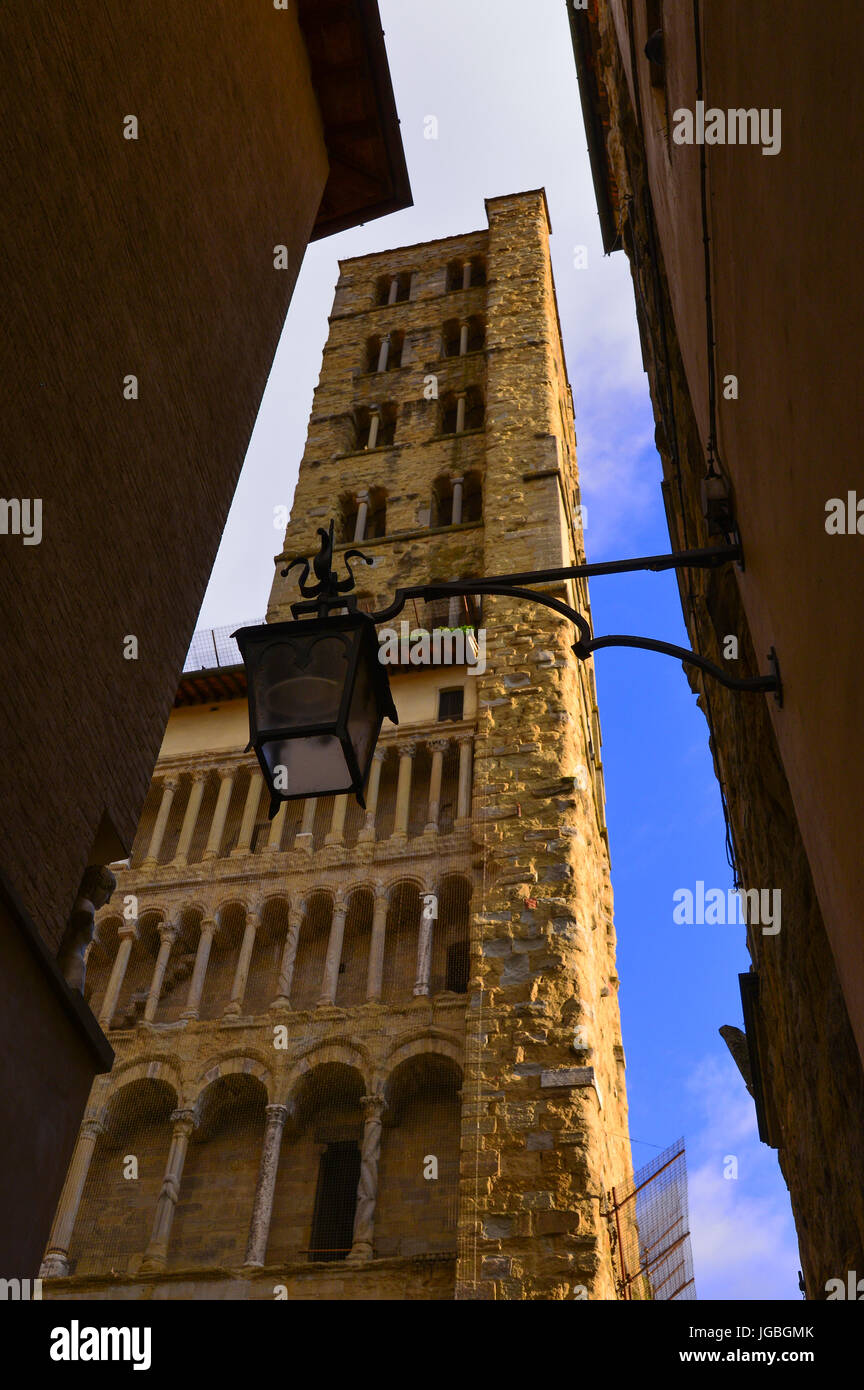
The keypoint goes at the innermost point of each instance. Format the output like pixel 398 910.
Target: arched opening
pixel 451 338
pixel 393 289
pixel 181 962
pixel 473 411
pixel 354 966
pixel 311 951
pixel 463 275
pixel 118 1204
pixel 418 1189
pixel 133 995
pixel 401 938
pixel 223 960
pixel 316 1188
pixel 217 1189
pixel 451 937
pixel 472 497
pixel 101 954
pixel 261 987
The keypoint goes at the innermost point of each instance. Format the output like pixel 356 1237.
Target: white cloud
pixel 742 1232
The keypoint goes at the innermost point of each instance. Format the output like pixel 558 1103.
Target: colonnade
pixel 184 1121
pixel 304 840
pixel 298 914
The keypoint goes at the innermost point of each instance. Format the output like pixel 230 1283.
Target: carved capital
pixel 184 1121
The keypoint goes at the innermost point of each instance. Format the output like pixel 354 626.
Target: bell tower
pixel 375 1052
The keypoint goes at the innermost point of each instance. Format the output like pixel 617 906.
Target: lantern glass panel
pixel 313 766
pixel 299 681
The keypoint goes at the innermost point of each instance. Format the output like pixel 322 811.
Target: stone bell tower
pixel 376 1053
pixel 442 434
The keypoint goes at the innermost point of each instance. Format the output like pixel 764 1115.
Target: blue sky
pixel 499 77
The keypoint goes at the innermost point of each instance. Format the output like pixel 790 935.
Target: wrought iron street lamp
pixel 318 693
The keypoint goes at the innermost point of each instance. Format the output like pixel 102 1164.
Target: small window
pixel 335 1202
pixel 393 289
pixel 465 275
pixel 451 704
pixel 458 960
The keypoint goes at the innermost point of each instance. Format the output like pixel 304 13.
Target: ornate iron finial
pixel 329 592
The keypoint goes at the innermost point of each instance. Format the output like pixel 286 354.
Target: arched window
pixel 472 497
pixel 442 501
pixel 384 353
pixel 376 522
pixel 456 499
pixel 451 941
pixel 466 274
pixel 422 1100
pixel 462 410
pixel 375 426
pixel 451 338
pixel 393 289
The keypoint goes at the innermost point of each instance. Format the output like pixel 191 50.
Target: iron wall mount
pixel 331 593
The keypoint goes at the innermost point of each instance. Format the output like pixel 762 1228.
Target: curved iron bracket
pixel 331 593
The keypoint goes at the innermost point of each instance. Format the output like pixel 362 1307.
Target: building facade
pixel 165 178
pixel 713 178
pixel 376 1053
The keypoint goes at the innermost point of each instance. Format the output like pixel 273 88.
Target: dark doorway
pixel 335 1202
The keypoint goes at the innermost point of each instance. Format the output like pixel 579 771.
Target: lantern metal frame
pixel 330 595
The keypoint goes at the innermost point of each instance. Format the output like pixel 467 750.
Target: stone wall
pixel 810 1070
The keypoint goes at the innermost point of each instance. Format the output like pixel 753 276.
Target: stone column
pixel 403 790
pixel 250 813
pixel 367 831
pixel 127 933
pixel 334 951
pixel 466 275
pixel 374 422
pixel 362 1247
pixel 167 937
pixel 190 816
pixel 362 516
pixel 394 290
pixel 463 339
pixel 336 833
pixel 199 973
pixel 384 353
pixel 234 1007
pixel 376 944
pixel 463 804
pixel 268 1167
pixel 439 747
pixel 156 1254
pixel 169 787
pixel 424 951
pixel 303 839
pixel 289 955
pixel 217 828
pixel 277 827
pixel 458 485
pixel 460 412
pixel 56 1262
